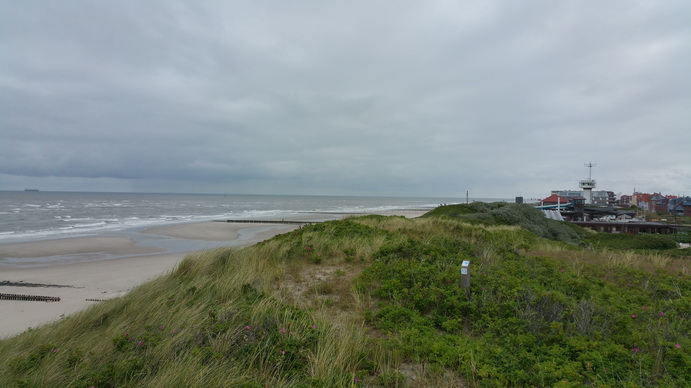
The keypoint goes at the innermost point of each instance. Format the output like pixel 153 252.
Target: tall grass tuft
pixel 339 355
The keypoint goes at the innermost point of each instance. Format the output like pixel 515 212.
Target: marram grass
pixel 375 301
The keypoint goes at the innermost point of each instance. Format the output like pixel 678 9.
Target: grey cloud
pixel 402 98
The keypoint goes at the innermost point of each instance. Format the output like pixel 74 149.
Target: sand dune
pixel 80 270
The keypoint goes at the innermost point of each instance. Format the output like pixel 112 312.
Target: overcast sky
pixel 405 98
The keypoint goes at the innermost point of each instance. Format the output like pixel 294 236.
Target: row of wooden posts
pixel 35 298
pixel 39 298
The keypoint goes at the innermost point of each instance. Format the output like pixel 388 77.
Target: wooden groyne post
pixel 33 298
pixel 289 222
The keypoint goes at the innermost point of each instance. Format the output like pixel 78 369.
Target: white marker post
pixel 465 274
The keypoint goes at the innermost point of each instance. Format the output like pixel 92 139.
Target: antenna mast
pixel 590 166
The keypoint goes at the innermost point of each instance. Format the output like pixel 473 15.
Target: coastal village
pixel 604 211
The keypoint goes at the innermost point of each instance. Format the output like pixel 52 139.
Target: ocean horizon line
pixel 463 197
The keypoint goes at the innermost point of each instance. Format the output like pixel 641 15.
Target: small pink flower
pixel 606 370
pixel 636 350
pixel 131 339
pixel 645 307
pixel 248 327
pixel 283 330
pixel 629 284
pixel 283 352
pixel 677 346
pixel 356 380
pixel 661 314
pixel 633 316
pixel 55 350
pixel 314 326
pixel 160 327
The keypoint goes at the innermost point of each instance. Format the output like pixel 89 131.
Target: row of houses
pixel 656 202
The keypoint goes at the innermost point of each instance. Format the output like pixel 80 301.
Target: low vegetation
pixel 375 301
pixel 502 213
pixel 635 242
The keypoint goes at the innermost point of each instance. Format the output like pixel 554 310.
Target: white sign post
pixel 465 274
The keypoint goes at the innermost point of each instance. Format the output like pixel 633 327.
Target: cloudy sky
pixel 405 98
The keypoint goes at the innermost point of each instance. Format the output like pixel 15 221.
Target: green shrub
pixel 626 241
pixel 525 216
pixel 527 321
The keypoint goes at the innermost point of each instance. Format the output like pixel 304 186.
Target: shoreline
pixel 82 271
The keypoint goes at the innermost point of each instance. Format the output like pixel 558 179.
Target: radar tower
pixel 588 184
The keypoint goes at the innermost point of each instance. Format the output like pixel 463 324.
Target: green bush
pixel 529 321
pixel 501 213
pixel 625 241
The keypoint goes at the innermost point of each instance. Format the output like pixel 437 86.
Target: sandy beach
pixel 81 271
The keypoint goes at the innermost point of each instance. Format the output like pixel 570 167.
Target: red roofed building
pixel 654 202
pixel 555 200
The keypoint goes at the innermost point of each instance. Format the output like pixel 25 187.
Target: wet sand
pixel 73 246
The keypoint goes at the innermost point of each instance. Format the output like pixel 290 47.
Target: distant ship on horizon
pixel 30 189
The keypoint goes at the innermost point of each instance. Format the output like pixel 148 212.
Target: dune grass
pixel 375 301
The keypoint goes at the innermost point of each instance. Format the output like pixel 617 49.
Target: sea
pixel 39 215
